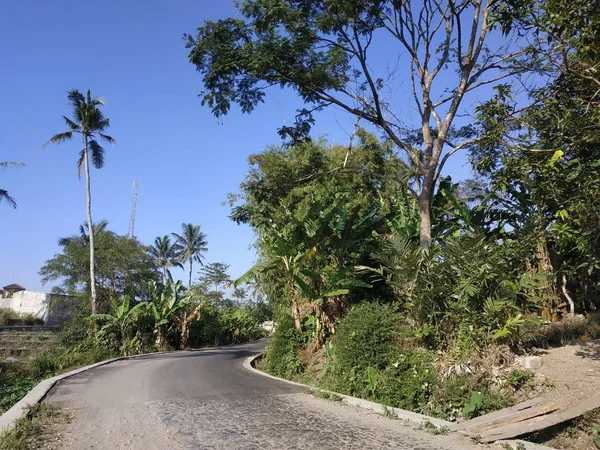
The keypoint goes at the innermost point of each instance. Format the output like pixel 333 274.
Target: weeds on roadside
pixel 426 425
pixel 326 395
pixel 389 413
pixel 29 429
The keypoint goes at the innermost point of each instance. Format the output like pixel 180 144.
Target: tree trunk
pixel 568 297
pixel 160 338
pixel 295 308
pixel 548 291
pixel 186 324
pixel 88 192
pixel 190 281
pixel 425 199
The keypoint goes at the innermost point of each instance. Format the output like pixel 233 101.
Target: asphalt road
pixel 207 400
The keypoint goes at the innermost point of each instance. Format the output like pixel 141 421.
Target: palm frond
pixel 77 101
pixel 97 153
pixel 107 138
pixel 7 198
pixel 59 138
pixel 72 125
pixel 5 164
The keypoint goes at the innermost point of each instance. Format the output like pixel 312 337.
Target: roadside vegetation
pixel 35 429
pixel 140 307
pixel 387 278
pixel 390 280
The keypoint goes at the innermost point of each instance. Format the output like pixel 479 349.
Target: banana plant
pixel 120 321
pixel 166 304
pixel 324 291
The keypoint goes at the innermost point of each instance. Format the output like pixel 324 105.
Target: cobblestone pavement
pixel 206 400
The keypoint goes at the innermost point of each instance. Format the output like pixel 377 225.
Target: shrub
pixel 281 357
pixel 518 378
pixel 559 333
pixel 466 395
pixel 9 317
pixel 409 382
pixel 367 337
pixel 225 326
pixel 367 360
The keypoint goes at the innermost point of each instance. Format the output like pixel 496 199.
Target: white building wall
pixel 26 302
pixel 51 308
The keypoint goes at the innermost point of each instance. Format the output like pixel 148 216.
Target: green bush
pixel 281 357
pixel 408 382
pixel 223 326
pixel 16 379
pixel 367 360
pixel 9 317
pixel 466 395
pixel 367 337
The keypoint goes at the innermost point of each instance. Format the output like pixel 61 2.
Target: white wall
pixel 27 302
pixel 48 307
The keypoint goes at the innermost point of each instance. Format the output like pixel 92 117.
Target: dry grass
pixel 35 430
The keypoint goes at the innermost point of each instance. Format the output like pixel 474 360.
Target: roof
pixel 14 287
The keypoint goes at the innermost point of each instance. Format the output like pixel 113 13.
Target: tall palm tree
pixel 191 244
pixel 165 255
pixel 89 122
pixel 98 227
pixel 4 193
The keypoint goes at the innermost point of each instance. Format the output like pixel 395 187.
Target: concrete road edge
pixel 402 414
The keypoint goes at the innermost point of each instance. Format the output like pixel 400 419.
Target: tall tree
pixel 215 274
pixel 123 266
pixel 165 254
pixel 325 50
pixel 192 244
pixel 89 122
pixel 3 192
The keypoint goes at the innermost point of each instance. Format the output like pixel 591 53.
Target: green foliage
pixel 473 407
pixel 16 379
pixel 367 338
pixel 122 266
pixel 191 244
pixel 3 192
pixel 518 378
pixel 165 254
pixel 367 360
pixel 28 430
pixel 9 317
pixel 118 325
pixel 466 396
pixel 281 357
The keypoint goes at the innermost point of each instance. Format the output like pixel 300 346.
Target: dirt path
pixel 574 369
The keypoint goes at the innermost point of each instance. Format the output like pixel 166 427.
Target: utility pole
pixel 136 187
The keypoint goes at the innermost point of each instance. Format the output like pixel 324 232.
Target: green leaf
pixel 335 292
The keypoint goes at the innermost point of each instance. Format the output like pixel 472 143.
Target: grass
pixel 326 395
pixel 29 431
pixel 8 317
pixel 18 378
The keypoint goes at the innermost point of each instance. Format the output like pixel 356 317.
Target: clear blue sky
pixel 132 54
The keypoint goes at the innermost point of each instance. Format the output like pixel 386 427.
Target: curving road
pixel 207 400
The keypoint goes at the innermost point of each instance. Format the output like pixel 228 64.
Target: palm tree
pixel 98 227
pixel 89 122
pixel 165 255
pixel 191 244
pixel 4 193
